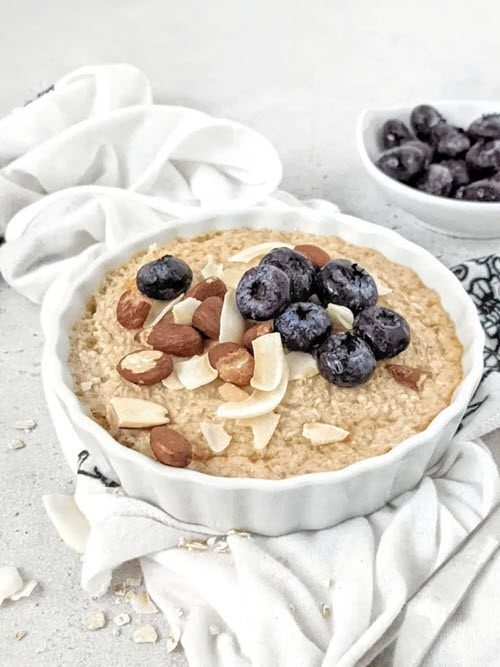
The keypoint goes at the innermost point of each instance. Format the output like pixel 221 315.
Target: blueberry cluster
pixel 286 287
pixel 442 159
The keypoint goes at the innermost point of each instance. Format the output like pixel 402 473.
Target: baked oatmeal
pixel 255 405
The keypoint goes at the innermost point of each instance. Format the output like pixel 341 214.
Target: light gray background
pixel 299 71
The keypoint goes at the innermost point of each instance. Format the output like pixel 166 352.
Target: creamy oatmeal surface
pixel 378 414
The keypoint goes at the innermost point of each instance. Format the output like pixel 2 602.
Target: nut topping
pixel 145 367
pixel 180 340
pixel 323 434
pixel 230 392
pixel 254 332
pixel 212 286
pixel 206 318
pixel 132 309
pixel 407 376
pixel 316 255
pixel 170 447
pixel 137 413
pixel 234 363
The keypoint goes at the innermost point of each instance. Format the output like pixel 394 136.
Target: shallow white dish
pixel 450 216
pixel 270 507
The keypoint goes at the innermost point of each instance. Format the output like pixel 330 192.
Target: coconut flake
pixel 172 382
pixel 231 277
pixel 341 316
pixel 183 312
pixel 382 288
pixel 232 324
pixel 215 435
pixel 263 428
pixel 71 525
pixel 145 634
pixel 94 621
pixel 259 403
pixel 230 392
pixel 269 362
pixel 141 602
pixel 158 311
pixel 195 372
pixel 301 365
pixel 323 434
pixel 211 268
pixel 10 582
pixel 25 591
pixel 259 250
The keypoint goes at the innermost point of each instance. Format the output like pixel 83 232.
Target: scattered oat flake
pixel 26 425
pixel 94 621
pixel 133 581
pixel 120 590
pixel 172 641
pixel 121 619
pixel 222 547
pixel 20 634
pixel 16 444
pixel 179 612
pixel 239 533
pixel 325 611
pixel 192 545
pixel 213 630
pixel 145 634
pixel 85 386
pixel 141 602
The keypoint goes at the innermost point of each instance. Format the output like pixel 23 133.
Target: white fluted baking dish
pixel 271 507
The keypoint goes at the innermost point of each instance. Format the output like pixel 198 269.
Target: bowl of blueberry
pixel 439 161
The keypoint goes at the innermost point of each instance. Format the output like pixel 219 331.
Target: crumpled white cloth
pixel 95 177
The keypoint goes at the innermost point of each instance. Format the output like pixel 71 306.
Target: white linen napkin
pixel 310 598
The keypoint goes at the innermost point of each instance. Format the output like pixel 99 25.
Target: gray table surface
pixel 299 72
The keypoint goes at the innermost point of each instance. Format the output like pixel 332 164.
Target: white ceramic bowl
pixel 271 507
pixel 451 216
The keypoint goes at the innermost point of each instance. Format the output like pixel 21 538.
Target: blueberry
pixel 438 180
pixel 297 267
pixel 486 127
pixel 426 149
pixel 458 170
pixel 395 133
pixel 423 119
pixel 346 284
pixel 302 326
pixel 402 162
pixel 488 189
pixel 385 331
pixel 484 157
pixel 449 141
pixel 263 292
pixel 164 278
pixel 345 360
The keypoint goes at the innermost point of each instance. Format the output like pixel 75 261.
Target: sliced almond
pixel 195 372
pixel 138 413
pixel 215 435
pixel 247 254
pixel 172 382
pixel 230 392
pixel 212 268
pixel 323 434
pixel 263 428
pixel 183 311
pixel 232 324
pixel 341 316
pixel 158 311
pixel 259 403
pixel 301 365
pixel 269 359
pixel 382 288
pixel 231 277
